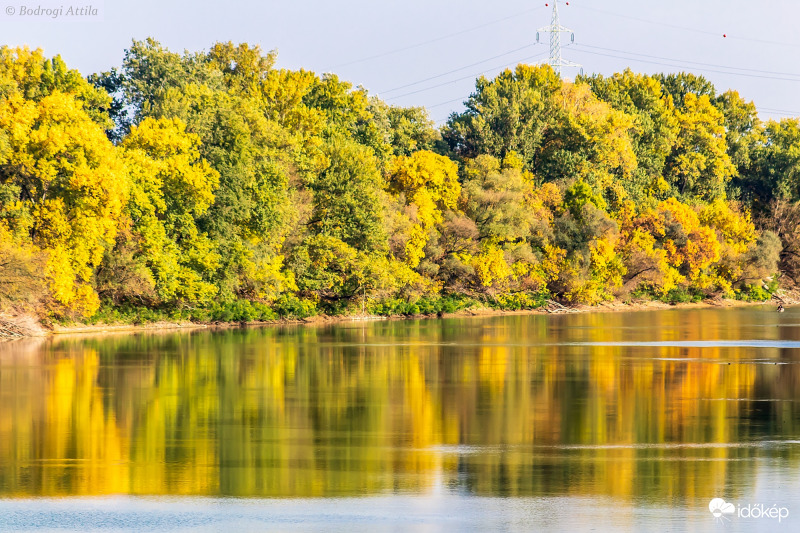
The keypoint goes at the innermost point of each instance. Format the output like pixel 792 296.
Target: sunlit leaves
pixel 699 166
pixel 31 76
pixel 429 183
pixel 170 187
pixel 511 112
pixel 72 183
pixel 232 180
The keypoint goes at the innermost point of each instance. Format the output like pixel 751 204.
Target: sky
pixel 429 52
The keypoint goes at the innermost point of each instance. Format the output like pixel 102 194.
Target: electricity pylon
pixel 555 29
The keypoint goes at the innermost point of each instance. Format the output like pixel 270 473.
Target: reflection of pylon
pixel 555 29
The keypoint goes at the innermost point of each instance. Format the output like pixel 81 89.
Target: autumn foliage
pixel 188 180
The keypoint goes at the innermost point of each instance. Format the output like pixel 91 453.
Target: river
pixel 627 421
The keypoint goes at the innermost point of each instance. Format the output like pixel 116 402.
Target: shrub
pixel 681 295
pixel 290 306
pixel 519 301
pixel 424 306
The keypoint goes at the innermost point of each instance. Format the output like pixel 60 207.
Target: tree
pixel 406 129
pixel 244 68
pixel 347 197
pixel 654 130
pixel 33 77
pixel 428 183
pixel 494 198
pixel 745 257
pixel 171 187
pixel 334 271
pixel 582 262
pixel 742 126
pixel 775 171
pixel 699 166
pixel 348 113
pixel 71 187
pixel 691 247
pixel 591 144
pixel 512 112
pixel 684 83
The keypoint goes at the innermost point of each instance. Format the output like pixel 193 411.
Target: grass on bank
pixel 290 307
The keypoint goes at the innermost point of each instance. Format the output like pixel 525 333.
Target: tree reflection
pixel 511 405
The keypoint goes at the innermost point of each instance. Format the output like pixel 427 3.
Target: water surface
pixel 605 421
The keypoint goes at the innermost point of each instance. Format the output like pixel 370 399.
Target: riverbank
pixel 787 297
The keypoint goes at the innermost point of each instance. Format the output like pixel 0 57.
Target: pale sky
pixel 449 42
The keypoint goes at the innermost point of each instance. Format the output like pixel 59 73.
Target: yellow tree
pixel 670 247
pixel 429 182
pixel 746 257
pixel 70 185
pixel 644 258
pixel 29 74
pixel 699 166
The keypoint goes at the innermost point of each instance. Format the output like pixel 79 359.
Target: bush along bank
pixel 247 312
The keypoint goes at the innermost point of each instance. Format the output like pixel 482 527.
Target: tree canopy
pixel 191 180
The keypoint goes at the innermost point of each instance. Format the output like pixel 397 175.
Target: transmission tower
pixel 555 29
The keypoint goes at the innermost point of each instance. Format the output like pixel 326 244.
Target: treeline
pixel 213 180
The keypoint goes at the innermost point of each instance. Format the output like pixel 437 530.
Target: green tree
pixel 512 112
pixel 683 83
pixel 494 198
pixel 774 173
pixel 654 129
pixel 744 134
pixel 347 197
pixel 171 187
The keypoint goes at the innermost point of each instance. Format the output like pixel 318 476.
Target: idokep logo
pixel 723 511
pixel 719 508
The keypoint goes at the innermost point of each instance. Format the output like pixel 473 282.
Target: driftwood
pixel 555 307
pixel 14 327
pixel 9 330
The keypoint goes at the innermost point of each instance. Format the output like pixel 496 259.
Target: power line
pixel 742 74
pixel 447 102
pixel 685 28
pixel 466 77
pixel 687 61
pixel 441 38
pixel 772 111
pixel 457 70
pixel 439 121
pixel 639 19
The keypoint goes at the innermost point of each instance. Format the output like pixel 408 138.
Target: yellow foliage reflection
pixel 515 405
